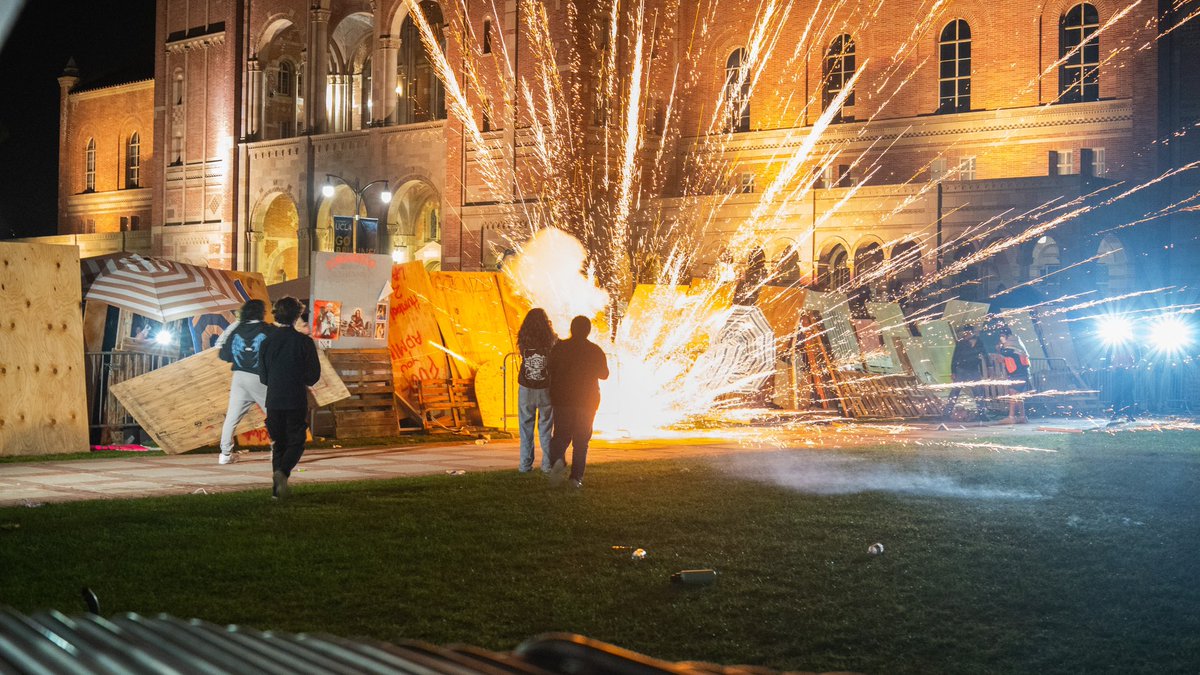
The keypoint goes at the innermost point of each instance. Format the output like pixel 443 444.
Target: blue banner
pixel 343 234
pixel 368 235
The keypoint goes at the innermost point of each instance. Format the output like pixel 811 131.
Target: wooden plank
pixel 43 396
pixel 182 406
pixel 414 338
pixel 471 314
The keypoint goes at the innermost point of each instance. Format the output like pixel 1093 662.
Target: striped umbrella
pixel 156 288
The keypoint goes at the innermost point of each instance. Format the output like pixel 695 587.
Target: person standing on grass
pixel 240 345
pixel 576 367
pixel 288 366
pixel 967 366
pixel 1016 368
pixel 535 339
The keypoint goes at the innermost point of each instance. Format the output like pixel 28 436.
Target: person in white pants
pixel 239 345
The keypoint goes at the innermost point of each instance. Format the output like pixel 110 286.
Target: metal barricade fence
pixel 1157 388
pixel 105 369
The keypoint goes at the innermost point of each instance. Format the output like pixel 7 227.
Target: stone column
pixel 383 79
pixel 66 82
pixel 254 99
pixel 315 118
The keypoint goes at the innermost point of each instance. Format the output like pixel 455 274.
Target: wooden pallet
pixel 859 394
pixel 370 411
pixel 446 403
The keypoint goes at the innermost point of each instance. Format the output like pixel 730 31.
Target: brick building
pixel 961 129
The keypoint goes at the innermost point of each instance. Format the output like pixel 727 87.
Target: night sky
pixel 112 42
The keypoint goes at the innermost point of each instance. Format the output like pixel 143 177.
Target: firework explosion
pixel 602 206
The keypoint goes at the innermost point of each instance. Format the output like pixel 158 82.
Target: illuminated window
pixel 1079 74
pixel 1066 162
pixel 954 74
pixel 133 161
pixel 89 166
pixel 286 74
pixel 737 91
pixel 837 71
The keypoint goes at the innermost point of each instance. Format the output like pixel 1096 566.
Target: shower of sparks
pixel 584 149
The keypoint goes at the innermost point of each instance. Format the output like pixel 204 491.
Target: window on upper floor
pixel 1066 162
pixel 287 73
pixel 487 36
pixel 737 91
pixel 177 88
pixel 954 68
pixel 1079 50
pixel 89 166
pixel 1099 162
pixel 836 72
pixel 133 161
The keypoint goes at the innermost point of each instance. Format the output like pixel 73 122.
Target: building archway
pixel 414 222
pixel 833 269
pixel 277 220
pixel 1114 274
pixel 1045 262
pixel 904 269
pixel 280 56
pixel 348 98
pixel 420 94
pixel 868 271
pixel 340 204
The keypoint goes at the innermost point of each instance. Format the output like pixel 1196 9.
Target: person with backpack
pixel 240 345
pixel 535 339
pixel 1016 368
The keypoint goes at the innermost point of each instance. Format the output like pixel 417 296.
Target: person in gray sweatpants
pixel 240 345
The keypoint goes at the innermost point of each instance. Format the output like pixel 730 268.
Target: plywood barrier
pixel 182 406
pixel 43 399
pixel 370 410
pixel 414 338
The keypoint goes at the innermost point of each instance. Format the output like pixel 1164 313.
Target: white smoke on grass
pixel 836 474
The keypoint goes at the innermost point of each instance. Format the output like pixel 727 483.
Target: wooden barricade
pixel 858 394
pixel 370 410
pixel 446 403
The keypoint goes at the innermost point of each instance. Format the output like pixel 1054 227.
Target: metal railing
pixel 104 369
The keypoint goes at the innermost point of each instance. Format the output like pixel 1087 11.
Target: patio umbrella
pixel 164 290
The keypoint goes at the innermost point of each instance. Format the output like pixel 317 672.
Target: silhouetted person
pixel 576 367
pixel 289 366
pixel 1016 368
pixel 967 366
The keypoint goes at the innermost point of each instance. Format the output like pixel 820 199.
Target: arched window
pixel 177 88
pixel 422 97
pixel 954 68
pixel 286 74
pixel 837 71
pixel 133 161
pixel 89 166
pixel 833 269
pixel 487 36
pixel 1079 74
pixel 737 91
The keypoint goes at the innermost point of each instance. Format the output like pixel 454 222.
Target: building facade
pixel 923 139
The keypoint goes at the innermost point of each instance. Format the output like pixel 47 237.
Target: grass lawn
pixel 1079 560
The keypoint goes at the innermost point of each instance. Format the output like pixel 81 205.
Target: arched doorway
pixel 1044 265
pixel 348 97
pixel 833 269
pixel 420 95
pixel 904 269
pixel 1113 272
pixel 340 204
pixel 280 56
pixel 414 223
pixel 868 272
pixel 278 221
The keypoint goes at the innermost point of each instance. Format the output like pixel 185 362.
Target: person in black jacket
pixel 240 345
pixel 288 366
pixel 967 366
pixel 576 368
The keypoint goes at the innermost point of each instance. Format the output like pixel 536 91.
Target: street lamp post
pixel 328 191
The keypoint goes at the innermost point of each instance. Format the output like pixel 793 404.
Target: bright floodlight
pixel 1115 330
pixel 400 256
pixel 1170 334
pixel 164 337
pixel 386 196
pixel 327 190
